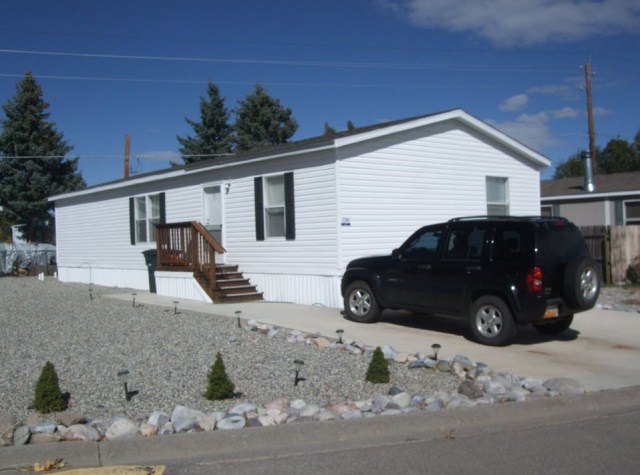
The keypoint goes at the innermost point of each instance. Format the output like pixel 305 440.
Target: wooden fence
pixel 613 248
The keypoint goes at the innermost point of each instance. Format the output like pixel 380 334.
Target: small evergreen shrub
pixel 633 271
pixel 48 397
pixel 220 386
pixel 378 371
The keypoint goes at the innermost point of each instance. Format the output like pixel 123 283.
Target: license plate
pixel 551 312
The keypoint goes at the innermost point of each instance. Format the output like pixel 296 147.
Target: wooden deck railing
pixel 188 246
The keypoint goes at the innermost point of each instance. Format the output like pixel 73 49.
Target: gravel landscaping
pixel 90 338
pixel 168 356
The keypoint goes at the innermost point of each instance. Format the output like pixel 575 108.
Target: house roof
pixel 614 184
pixel 314 144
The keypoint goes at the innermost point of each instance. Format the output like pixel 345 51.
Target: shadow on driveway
pixel 527 335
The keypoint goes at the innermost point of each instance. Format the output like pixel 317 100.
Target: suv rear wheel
pixel 360 303
pixel 492 322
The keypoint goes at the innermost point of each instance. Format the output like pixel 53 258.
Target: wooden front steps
pixel 232 287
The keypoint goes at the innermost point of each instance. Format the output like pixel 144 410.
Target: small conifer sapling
pixel 48 397
pixel 378 371
pixel 220 386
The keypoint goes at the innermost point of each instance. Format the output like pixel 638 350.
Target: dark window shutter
pixel 257 190
pixel 163 211
pixel 289 205
pixel 132 221
pixel 619 213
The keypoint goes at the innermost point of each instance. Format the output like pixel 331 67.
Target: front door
pixel 212 219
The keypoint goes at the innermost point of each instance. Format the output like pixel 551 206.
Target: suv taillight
pixel 534 280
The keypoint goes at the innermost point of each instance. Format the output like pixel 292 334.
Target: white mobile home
pixel 291 217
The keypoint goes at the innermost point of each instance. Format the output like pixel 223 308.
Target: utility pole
pixel 127 148
pixel 592 139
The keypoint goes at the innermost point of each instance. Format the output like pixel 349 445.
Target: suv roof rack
pixel 506 218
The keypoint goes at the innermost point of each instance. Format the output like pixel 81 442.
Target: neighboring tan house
pixel 291 217
pixel 615 201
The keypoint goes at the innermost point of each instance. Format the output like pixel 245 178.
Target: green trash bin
pixel 151 258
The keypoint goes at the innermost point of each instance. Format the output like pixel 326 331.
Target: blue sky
pixel 140 66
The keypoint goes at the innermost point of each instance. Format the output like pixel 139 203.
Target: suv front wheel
pixel 492 322
pixel 360 303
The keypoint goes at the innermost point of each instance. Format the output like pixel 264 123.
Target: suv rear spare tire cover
pixel 581 283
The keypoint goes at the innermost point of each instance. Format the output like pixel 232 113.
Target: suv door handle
pixel 470 268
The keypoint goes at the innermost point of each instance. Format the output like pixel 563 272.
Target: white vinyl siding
pixel 420 177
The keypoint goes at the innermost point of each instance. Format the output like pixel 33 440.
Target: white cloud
pixel 564 113
pixel 158 156
pixel 531 130
pixel 515 103
pixel 509 23
pixel 601 111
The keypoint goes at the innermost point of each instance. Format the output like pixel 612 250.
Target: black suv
pixel 499 272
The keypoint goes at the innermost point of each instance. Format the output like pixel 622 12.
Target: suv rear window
pixel 507 245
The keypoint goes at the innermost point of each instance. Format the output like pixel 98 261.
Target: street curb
pixel 328 436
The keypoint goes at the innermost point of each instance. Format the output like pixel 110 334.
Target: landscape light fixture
pixel 435 347
pixel 238 312
pixel 340 332
pixel 133 294
pixel 90 292
pixel 123 377
pixel 175 307
pixel 297 364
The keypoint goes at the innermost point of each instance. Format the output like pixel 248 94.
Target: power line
pixel 269 62
pixel 266 83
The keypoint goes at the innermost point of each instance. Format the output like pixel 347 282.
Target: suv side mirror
pixel 396 254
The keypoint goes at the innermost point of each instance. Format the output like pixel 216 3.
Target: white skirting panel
pixel 181 285
pixel 123 278
pixel 301 289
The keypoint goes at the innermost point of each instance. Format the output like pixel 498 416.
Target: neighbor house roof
pixel 614 184
pixel 324 142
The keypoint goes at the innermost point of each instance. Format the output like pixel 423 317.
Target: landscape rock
pixel 564 386
pixel 185 419
pixel 21 435
pixel 148 430
pixel 7 426
pixel 232 422
pixel 401 358
pixel 402 399
pixel 444 366
pixel 69 418
pixel 41 438
pixel 388 352
pixel 158 418
pixel 469 389
pixel 244 409
pixel 45 427
pixel 322 342
pixel 81 432
pixel 122 428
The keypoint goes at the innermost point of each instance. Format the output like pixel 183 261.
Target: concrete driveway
pixel 601 350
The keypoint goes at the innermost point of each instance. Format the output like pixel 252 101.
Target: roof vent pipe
pixel 589 187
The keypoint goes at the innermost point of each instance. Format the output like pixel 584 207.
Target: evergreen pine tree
pixel 213 134
pixel 350 126
pixel 32 166
pixel 48 397
pixel 261 121
pixel 220 386
pixel 328 130
pixel 378 371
